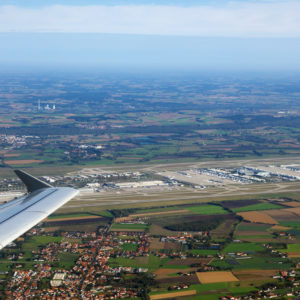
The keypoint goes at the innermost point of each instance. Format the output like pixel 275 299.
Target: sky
pixel 161 34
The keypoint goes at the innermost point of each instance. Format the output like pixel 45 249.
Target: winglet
pixel 32 183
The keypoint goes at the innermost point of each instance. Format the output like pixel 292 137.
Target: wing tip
pixel 32 184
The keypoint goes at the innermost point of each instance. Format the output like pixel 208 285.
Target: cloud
pixel 233 19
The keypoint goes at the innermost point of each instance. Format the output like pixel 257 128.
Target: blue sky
pixel 160 34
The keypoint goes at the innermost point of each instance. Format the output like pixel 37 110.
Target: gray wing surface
pixel 21 214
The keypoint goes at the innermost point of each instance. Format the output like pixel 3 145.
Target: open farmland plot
pixel 256 207
pixel 218 276
pixel 253 232
pixel 188 261
pixel 253 262
pixel 188 223
pixel 295 210
pixel 259 274
pixel 291 203
pixel 151 262
pixel 293 250
pixel 283 215
pixel 166 272
pixel 173 295
pixel 208 209
pixel 243 247
pixel 257 217
pixel 224 229
pixel 166 212
pixel 239 203
pixel 128 227
pixel 245 227
pixel 290 224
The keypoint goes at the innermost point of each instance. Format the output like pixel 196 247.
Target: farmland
pixel 256 207
pixel 228 253
pixel 213 277
pixel 137 121
pixel 207 209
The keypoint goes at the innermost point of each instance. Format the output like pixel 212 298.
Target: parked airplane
pixel 21 214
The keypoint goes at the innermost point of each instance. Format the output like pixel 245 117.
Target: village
pixel 92 265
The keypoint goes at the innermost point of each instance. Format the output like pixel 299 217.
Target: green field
pixel 259 206
pixel 159 209
pixel 203 252
pixel 253 227
pixel 291 248
pixel 69 216
pixel 67 260
pixel 129 247
pixel 213 291
pixel 207 209
pixel 129 226
pixel 267 236
pixel 243 247
pixel 255 262
pixel 294 224
pixel 36 241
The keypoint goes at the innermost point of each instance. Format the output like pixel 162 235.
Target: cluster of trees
pixel 199 225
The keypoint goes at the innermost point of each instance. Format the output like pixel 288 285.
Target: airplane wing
pixel 21 214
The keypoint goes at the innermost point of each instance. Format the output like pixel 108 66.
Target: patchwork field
pixel 257 217
pixel 218 276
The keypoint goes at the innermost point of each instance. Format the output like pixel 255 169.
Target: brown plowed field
pixel 283 214
pixel 173 295
pixel 245 275
pixel 192 279
pixel 257 217
pixel 156 244
pixel 294 254
pixel 218 276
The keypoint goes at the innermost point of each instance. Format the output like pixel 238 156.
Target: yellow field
pixel 218 276
pixel 292 203
pixel 278 227
pixel 72 218
pixel 257 217
pixel 295 210
pixel 23 162
pixel 173 295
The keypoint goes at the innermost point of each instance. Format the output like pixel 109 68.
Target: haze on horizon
pixel 192 35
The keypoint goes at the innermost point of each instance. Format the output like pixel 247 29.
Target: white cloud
pixel 235 19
